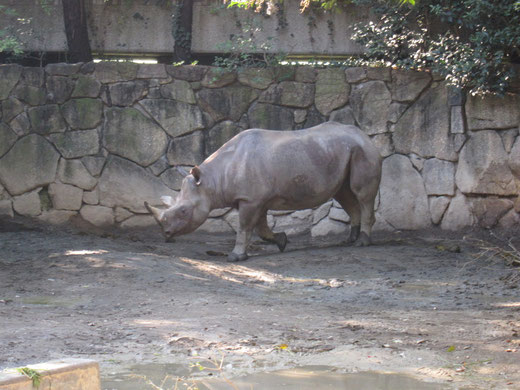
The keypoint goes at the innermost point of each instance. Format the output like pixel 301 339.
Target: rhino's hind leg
pixel 350 204
pixel 248 215
pixel 266 234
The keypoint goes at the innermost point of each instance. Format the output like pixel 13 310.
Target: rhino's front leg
pixel 248 217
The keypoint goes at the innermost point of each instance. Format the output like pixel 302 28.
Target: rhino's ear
pixel 167 200
pixel 195 171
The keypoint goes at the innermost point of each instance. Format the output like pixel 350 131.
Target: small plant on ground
pixel 32 374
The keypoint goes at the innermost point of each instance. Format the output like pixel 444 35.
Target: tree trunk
pixel 75 18
pixel 183 14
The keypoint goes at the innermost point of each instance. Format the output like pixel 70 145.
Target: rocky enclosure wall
pixel 94 141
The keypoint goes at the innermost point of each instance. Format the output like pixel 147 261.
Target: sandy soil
pixel 417 303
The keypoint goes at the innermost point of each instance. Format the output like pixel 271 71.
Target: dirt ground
pixel 422 304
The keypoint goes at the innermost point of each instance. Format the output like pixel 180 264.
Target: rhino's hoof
pixel 354 235
pixel 281 240
pixel 363 240
pixel 233 257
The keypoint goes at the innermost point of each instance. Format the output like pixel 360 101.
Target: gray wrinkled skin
pixel 261 170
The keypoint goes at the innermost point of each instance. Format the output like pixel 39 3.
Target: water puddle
pixel 170 377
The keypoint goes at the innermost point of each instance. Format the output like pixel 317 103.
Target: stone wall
pixel 94 141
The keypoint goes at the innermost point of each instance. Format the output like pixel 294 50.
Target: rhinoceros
pixel 260 170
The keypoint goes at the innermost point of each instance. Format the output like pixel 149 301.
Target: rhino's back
pixel 291 169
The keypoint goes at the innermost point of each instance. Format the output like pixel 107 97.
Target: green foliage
pixel 8 43
pixel 243 51
pixel 32 374
pixel 471 42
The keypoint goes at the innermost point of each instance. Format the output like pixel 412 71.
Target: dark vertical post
pixel 182 30
pixel 76 30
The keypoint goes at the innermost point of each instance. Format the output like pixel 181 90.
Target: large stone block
pixel 289 93
pixel 97 215
pixel 73 144
pixel 438 206
pixel 493 112
pixel 514 158
pixel 127 93
pixel 126 184
pixel 488 211
pixel 483 166
pixel 59 89
pixel 218 135
pixel 458 215
pixel 57 217
pixel 47 119
pixel 83 113
pixel 130 134
pixel 259 78
pixel 6 208
pixel 226 103
pixel 63 69
pixel 74 172
pixel 187 150
pixel 332 90
pixel 338 214
pixel 140 222
pixel 94 164
pixel 28 204
pixel 65 197
pixel 33 96
pixel 439 177
pixel 34 77
pixel 172 178
pixel 187 72
pixel 86 87
pixel 295 223
pixel 343 115
pixel 328 226
pixel 218 78
pixel 30 163
pixel 113 72
pixel 21 125
pixel 9 76
pixel 383 143
pixel 321 212
pixel 7 139
pixel 403 199
pixel 355 74
pixel 424 128
pixel 313 118
pixel 269 116
pixel 179 90
pixel 212 225
pixel 10 108
pixel 152 71
pixel 176 118
pixel 408 85
pixel 370 102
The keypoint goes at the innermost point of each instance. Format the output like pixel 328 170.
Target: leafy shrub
pixel 472 43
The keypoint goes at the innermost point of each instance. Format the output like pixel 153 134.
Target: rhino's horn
pixel 154 211
pixel 182 171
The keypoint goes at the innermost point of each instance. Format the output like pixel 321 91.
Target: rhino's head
pixel 187 211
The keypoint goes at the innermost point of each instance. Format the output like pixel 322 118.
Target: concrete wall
pixel 94 141
pixel 132 27
pixel 145 27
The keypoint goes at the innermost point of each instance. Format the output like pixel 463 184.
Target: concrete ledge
pixel 66 374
